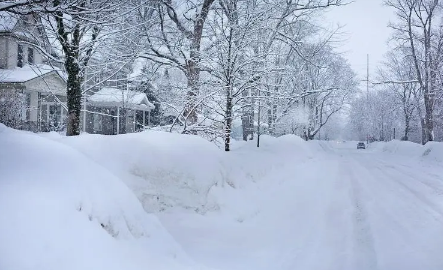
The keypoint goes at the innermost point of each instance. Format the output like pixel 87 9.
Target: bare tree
pixel 398 76
pixel 173 32
pixel 233 28
pixel 23 6
pixel 421 29
pixel 75 27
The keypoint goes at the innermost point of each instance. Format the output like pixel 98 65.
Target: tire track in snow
pixel 436 185
pixel 430 180
pixel 421 198
pixel 407 229
pixel 364 254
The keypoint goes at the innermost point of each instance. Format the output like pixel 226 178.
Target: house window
pixel 44 113
pixel 30 56
pixel 54 115
pixel 20 55
pixel 28 106
pixel 97 122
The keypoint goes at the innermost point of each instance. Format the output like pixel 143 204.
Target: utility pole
pixel 258 119
pixel 367 93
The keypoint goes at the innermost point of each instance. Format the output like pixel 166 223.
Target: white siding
pixel 38 59
pixel 11 50
pixel 33 107
pixel 3 54
pixel 48 83
pixel 11 53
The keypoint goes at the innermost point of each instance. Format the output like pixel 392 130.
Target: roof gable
pixel 27 73
pixel 116 97
pixel 7 21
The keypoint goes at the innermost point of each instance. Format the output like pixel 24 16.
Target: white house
pixel 114 111
pixel 23 69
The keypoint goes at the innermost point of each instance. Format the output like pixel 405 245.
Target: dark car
pixel 361 145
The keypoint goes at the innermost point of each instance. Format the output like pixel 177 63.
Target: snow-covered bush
pixel 12 105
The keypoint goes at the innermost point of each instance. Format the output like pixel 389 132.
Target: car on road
pixel 361 145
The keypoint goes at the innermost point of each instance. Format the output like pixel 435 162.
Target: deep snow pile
pixel 62 210
pixel 167 170
pixel 432 151
pixel 163 169
pixel 398 147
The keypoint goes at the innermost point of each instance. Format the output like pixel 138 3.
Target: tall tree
pixel 421 27
pixel 173 32
pixel 398 76
pixel 72 31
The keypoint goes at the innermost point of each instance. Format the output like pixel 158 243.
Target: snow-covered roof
pixel 27 73
pixel 7 21
pixel 117 97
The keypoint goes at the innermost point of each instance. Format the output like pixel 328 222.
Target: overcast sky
pixel 366 32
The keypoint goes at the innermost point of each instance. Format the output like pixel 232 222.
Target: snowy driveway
pixel 344 209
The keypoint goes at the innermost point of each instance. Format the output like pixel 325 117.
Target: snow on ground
pixel 342 209
pixel 168 170
pixel 61 210
pixel 164 169
pixel 432 152
pixel 286 205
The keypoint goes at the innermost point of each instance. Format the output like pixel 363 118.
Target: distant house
pixel 24 70
pixel 114 111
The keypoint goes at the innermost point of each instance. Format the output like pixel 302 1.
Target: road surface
pixel 345 209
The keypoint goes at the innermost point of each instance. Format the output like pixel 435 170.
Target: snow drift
pixel 431 152
pixel 167 170
pixel 163 169
pixel 62 210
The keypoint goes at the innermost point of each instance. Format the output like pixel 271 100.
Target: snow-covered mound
pixel 251 171
pixel 399 147
pixel 62 210
pixel 167 170
pixel 273 153
pixel 432 151
pixel 163 169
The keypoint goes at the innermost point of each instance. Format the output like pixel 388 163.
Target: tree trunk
pixel 193 77
pixel 74 95
pixel 247 116
pixel 228 122
pixel 429 122
pixel 407 128
pixel 423 131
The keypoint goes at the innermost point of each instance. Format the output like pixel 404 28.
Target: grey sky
pixel 366 32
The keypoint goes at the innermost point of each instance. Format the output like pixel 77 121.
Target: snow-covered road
pixel 343 209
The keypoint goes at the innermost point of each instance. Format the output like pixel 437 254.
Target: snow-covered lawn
pixel 157 200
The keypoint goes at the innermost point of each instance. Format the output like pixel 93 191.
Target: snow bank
pixel 399 147
pixel 61 210
pixel 168 170
pixel 248 161
pixel 250 171
pixel 432 151
pixel 163 169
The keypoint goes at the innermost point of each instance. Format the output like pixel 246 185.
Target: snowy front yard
pixel 157 200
